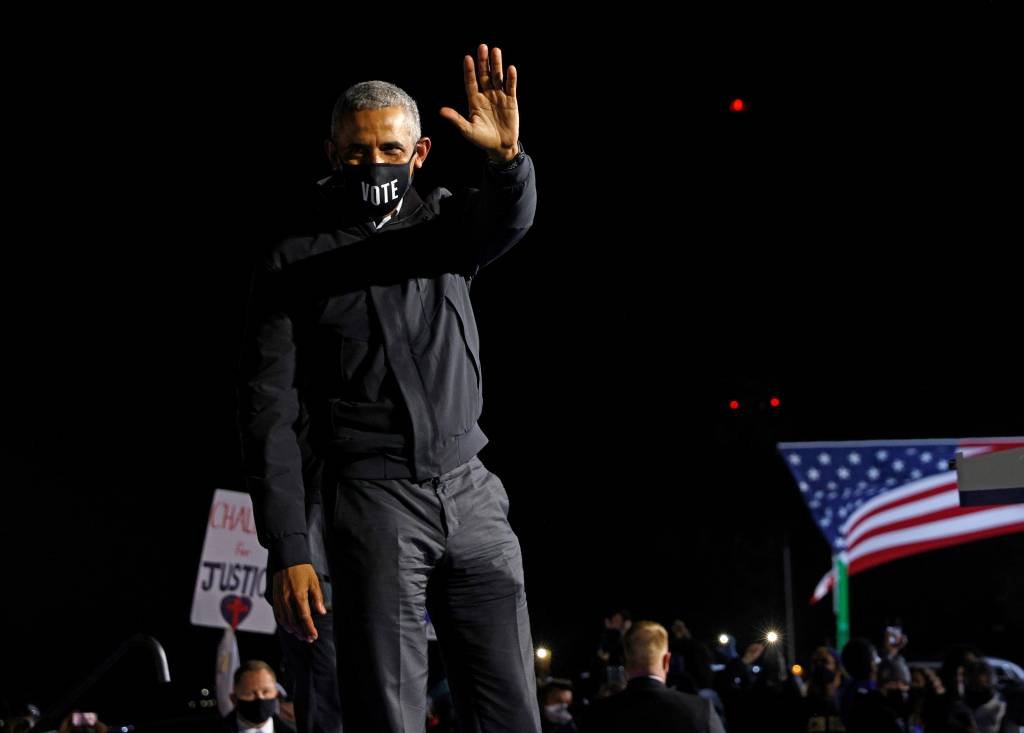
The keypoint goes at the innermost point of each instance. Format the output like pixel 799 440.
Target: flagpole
pixel 787 576
pixel 841 601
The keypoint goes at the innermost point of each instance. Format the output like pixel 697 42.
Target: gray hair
pixel 375 95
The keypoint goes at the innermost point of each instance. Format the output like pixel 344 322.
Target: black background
pixel 849 243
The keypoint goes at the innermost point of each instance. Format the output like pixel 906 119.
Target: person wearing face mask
pixel 555 706
pixel 361 313
pixel 988 708
pixel 255 698
pixel 819 709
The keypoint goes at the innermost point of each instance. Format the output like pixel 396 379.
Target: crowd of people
pixel 645 677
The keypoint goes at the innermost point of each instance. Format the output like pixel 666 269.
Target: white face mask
pixel 558 713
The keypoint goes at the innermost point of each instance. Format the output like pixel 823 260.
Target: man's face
pixel 368 136
pixel 826 660
pixel 558 695
pixel 618 621
pixel 256 685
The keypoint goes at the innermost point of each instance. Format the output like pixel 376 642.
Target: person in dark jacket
pixel 862 707
pixel 647 704
pixel 363 315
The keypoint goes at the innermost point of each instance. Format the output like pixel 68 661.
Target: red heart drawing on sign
pixel 234 609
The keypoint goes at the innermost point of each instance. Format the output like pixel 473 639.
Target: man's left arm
pixel 503 209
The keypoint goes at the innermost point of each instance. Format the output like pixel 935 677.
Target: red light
pixel 734 404
pixel 774 402
pixel 737 105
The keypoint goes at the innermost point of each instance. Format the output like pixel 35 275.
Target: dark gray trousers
pixel 399 548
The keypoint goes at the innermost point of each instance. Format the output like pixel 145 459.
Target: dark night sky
pixel 846 244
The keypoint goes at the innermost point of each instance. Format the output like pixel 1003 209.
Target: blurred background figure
pixel 894 641
pixel 609 648
pixel 690 666
pixel 18 718
pixel 862 707
pixel 556 716
pixel 820 705
pixel 736 678
pixel 988 708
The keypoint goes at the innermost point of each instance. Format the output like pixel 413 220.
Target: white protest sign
pixel 233 569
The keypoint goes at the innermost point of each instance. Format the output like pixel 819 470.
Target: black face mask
pixel 257 710
pixel 897 699
pixel 822 675
pixel 375 188
pixel 975 697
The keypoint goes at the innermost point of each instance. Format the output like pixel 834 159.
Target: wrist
pixel 507 159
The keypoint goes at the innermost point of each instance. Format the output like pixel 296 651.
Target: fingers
pixel 497 82
pixel 456 119
pixel 290 623
pixel 281 610
pixel 318 599
pixel 305 626
pixel 291 602
pixel 469 76
pixel 510 85
pixel 483 67
pixel 488 68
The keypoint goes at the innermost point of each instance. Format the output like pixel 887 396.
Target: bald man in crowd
pixel 647 704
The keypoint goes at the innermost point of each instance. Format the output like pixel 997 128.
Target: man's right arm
pixel 268 408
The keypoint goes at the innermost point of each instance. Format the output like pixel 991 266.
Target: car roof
pixel 1004 668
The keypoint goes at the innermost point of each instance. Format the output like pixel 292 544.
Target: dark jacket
pixel 229 724
pixel 373 333
pixel 647 705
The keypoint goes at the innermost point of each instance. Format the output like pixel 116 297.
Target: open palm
pixel 493 118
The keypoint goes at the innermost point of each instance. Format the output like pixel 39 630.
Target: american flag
pixel 877 501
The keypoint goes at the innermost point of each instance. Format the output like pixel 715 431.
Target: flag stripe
pixel 823 587
pixel 894 553
pixel 968 523
pixel 993 444
pixel 941 497
pixel 919 519
pixel 919 489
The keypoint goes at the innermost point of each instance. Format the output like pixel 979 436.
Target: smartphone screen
pixel 78 718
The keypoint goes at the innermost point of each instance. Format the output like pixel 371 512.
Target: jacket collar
pixel 645 683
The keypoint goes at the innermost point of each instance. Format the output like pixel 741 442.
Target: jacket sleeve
pixel 501 211
pixel 268 411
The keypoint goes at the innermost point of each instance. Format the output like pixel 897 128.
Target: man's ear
pixel 422 150
pixel 331 151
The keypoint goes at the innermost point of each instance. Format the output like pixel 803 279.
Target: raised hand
pixel 493 118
